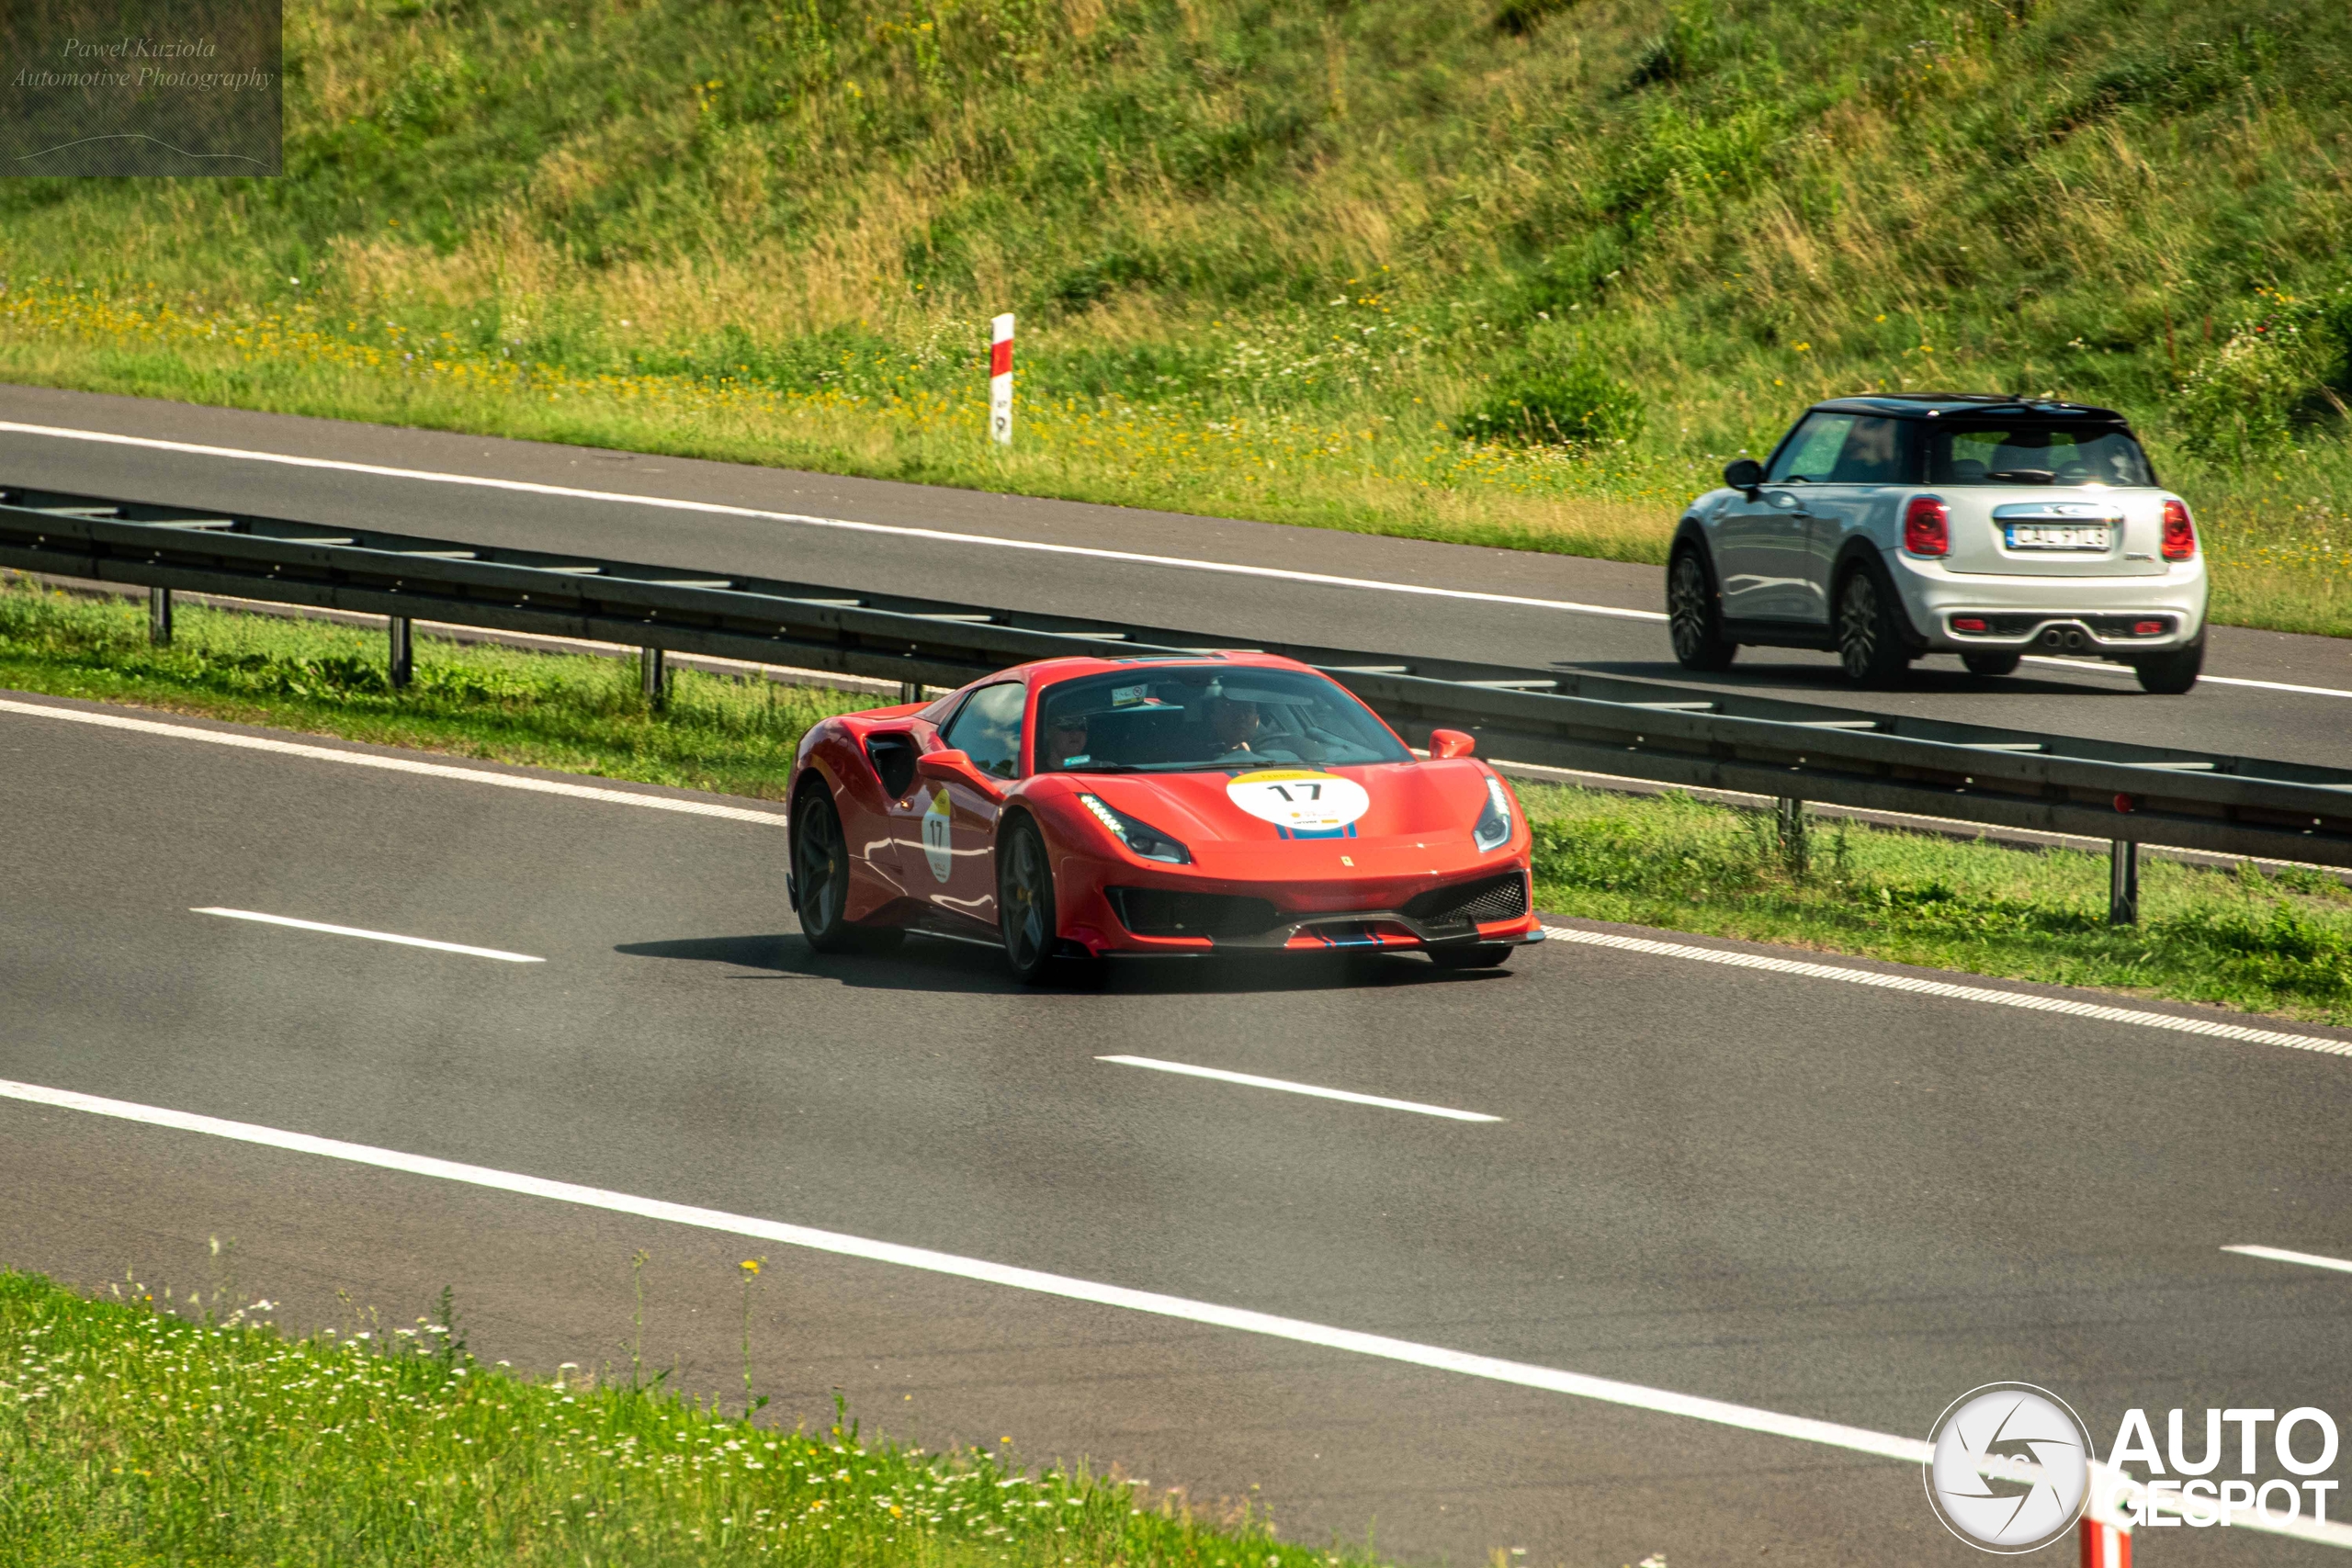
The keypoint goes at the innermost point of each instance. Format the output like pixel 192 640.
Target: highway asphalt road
pixel 1823 1199
pixel 1468 616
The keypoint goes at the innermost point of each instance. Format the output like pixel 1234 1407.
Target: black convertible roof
pixel 1943 405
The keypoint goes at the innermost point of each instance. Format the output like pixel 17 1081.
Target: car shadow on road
pixel 1826 677
pixel 930 964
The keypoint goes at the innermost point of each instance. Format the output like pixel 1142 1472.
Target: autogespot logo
pixel 2037 1454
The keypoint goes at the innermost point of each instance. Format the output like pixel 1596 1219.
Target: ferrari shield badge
pixel 938 834
pixel 1301 803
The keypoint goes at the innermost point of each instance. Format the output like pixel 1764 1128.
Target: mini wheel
pixel 1694 617
pixel 1991 663
pixel 2170 675
pixel 1869 645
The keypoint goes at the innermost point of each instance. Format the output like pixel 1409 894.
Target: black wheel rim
pixel 1858 627
pixel 822 872
pixel 1027 895
pixel 1687 608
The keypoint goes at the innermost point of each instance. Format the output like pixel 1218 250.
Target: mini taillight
pixel 2180 534
pixel 1927 527
pixel 2147 628
pixel 1969 624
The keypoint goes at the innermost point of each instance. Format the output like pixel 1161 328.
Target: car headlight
pixel 1492 831
pixel 1144 839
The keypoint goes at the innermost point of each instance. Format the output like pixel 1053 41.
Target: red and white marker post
pixel 1000 381
pixel 2105 1529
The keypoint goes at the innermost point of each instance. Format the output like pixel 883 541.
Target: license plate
pixel 2057 537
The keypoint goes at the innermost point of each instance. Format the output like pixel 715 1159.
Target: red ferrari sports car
pixel 1081 808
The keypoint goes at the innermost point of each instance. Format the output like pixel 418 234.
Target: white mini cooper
pixel 1884 528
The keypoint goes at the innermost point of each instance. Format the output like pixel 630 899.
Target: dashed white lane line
pixel 390 764
pixel 2309 1259
pixel 260 918
pixel 1919 986
pixel 942 536
pixel 1253 1081
pixel 1664 1401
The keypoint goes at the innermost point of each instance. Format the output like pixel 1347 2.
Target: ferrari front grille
pixel 1154 912
pixel 1499 897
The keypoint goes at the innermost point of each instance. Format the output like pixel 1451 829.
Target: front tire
pixel 1025 901
pixel 1991 663
pixel 1869 643
pixel 1695 616
pixel 2170 675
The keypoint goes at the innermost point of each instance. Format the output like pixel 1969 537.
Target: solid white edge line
pixel 260 918
pixel 1287 1087
pixel 1919 986
pixel 2309 1259
pixel 1717 1411
pixel 392 764
pixel 2103 667
pixel 943 535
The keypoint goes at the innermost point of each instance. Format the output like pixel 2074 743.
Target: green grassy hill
pixel 1518 270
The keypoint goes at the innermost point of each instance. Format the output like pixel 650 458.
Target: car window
pixel 1171 720
pixel 986 728
pixel 1873 455
pixel 2036 454
pixel 1811 454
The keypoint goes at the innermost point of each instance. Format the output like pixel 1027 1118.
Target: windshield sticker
pixel 1301 803
pixel 1122 695
pixel 938 834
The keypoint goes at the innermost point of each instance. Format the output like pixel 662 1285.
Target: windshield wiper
pixel 2023 476
pixel 1098 768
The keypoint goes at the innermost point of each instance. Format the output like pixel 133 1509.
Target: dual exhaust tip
pixel 2063 639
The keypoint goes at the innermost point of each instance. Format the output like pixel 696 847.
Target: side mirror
pixel 943 767
pixel 1744 473
pixel 1444 743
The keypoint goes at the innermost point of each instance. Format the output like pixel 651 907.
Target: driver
pixel 1065 738
pixel 1236 725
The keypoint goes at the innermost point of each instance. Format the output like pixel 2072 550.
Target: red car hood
pixel 1298 803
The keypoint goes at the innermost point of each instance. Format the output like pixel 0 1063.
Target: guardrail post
pixel 653 678
pixel 911 691
pixel 402 666
pixel 1789 818
pixel 159 616
pixel 2123 882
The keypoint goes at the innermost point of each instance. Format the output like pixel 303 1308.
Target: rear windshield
pixel 1172 720
pixel 2019 453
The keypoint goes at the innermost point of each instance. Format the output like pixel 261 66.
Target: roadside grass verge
pixel 2241 938
pixel 576 712
pixel 2278 943
pixel 133 1436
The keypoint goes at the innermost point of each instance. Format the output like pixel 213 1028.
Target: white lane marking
pixel 1254 1081
pixel 392 764
pixel 1664 1401
pixel 1912 983
pixel 571 493
pixel 2280 1255
pixel 2083 666
pixel 257 915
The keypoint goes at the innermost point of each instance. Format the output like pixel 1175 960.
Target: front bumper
pixel 2100 615
pixel 1115 911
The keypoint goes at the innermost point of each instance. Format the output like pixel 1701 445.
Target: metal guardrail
pixel 1794 751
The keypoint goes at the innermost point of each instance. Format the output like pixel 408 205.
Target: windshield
pixel 2026 454
pixel 1171 720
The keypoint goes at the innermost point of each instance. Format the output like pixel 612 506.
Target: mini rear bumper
pixel 2116 616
